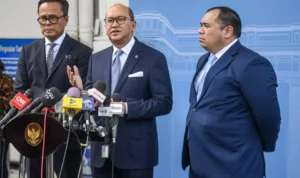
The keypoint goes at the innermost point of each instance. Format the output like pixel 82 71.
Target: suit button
pixel 194 109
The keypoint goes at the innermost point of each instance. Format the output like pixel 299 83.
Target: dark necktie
pixel 50 58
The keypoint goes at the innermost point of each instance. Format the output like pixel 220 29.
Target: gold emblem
pixel 136 57
pixel 33 134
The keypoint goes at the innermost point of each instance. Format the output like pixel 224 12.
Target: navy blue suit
pixel 147 97
pixel 236 118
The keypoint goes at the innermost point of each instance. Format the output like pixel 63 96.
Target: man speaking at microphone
pixel 140 74
pixel 43 64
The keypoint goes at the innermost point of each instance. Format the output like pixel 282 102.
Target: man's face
pixel 52 11
pixel 119 34
pixel 211 36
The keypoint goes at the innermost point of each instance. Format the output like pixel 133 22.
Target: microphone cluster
pixel 94 107
pixel 91 105
pixel 21 104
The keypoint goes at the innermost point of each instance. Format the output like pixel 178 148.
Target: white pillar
pixel 72 27
pixel 86 21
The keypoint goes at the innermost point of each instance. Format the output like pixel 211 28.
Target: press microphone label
pixel 105 112
pixel 88 104
pixel 20 101
pixel 49 95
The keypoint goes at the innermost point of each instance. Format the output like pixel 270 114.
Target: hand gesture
pixel 74 78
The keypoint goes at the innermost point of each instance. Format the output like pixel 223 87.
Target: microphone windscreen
pixel 73 92
pixel 51 97
pixel 29 93
pixel 100 86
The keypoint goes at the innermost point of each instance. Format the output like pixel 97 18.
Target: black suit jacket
pixel 148 96
pixel 32 70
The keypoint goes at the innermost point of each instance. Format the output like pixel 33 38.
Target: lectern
pixel 26 133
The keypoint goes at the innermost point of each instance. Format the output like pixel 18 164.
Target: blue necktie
pixel 210 62
pixel 116 70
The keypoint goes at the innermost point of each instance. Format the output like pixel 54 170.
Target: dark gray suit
pixel 32 73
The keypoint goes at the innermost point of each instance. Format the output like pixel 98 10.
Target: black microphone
pixel 115 120
pixel 88 106
pixel 18 103
pixel 48 99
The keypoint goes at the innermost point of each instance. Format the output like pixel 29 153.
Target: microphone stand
pixel 49 166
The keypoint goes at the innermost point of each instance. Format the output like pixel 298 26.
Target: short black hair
pixel 64 5
pixel 229 17
pixel 2 67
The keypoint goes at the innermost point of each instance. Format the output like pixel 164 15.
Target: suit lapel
pixel 41 58
pixel 65 47
pixel 129 65
pixel 221 63
pixel 200 65
pixel 106 70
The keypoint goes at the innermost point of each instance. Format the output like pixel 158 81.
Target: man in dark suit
pixel 234 113
pixel 145 89
pixel 43 64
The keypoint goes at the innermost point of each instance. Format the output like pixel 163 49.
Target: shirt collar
pixel 58 41
pixel 127 48
pixel 223 50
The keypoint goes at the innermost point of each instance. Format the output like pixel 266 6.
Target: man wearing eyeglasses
pixel 43 64
pixel 140 75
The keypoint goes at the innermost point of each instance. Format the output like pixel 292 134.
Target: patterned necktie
pixel 116 70
pixel 50 58
pixel 211 60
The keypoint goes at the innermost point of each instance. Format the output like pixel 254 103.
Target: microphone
pixel 102 131
pixel 105 110
pixel 88 105
pixel 18 103
pixel 97 91
pixel 34 104
pixel 117 109
pixel 72 104
pixel 58 109
pixel 48 99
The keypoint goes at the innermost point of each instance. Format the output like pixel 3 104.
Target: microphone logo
pixel 72 101
pixel 20 100
pixel 49 95
pixel 88 104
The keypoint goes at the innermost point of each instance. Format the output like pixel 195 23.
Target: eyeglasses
pixel 110 21
pixel 52 19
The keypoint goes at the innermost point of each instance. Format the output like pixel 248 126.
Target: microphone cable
pixel 65 152
pixel 44 141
